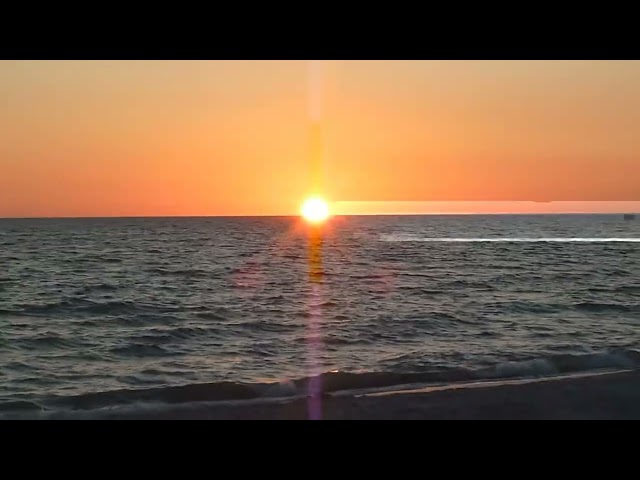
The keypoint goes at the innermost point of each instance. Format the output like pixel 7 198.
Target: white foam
pixel 408 238
pixel 492 383
pixel 538 366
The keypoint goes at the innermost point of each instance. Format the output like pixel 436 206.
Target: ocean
pixel 97 314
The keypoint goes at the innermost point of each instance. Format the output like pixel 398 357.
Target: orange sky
pixel 111 138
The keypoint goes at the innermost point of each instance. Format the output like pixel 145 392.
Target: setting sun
pixel 315 210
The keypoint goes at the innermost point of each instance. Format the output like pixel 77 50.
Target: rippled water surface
pixel 96 305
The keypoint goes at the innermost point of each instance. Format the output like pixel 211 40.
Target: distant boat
pixel 629 216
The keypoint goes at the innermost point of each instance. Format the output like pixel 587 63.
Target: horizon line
pixel 386 214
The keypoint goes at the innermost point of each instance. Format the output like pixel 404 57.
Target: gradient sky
pixel 112 138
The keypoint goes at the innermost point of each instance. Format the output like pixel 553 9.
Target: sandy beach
pixel 604 396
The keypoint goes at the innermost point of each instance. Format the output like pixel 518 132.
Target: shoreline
pixel 589 396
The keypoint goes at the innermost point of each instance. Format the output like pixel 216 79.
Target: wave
pixel 415 238
pixel 269 326
pixel 140 350
pixel 186 273
pixel 75 305
pixel 100 287
pixel 630 289
pixel 110 260
pixel 211 316
pixel 92 258
pixel 606 307
pixel 83 306
pixel 164 335
pixel 333 382
pixel 48 340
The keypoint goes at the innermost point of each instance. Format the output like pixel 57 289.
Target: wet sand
pixel 614 396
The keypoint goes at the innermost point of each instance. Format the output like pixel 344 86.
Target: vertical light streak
pixel 315 117
pixel 314 336
pixel 315 238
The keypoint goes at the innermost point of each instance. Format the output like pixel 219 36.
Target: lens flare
pixel 315 210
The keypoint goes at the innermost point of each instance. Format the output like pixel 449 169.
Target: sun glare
pixel 315 210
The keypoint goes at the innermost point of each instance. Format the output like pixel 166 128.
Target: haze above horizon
pixel 231 138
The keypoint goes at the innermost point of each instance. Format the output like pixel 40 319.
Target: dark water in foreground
pixel 94 312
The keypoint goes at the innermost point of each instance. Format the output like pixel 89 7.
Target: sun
pixel 315 210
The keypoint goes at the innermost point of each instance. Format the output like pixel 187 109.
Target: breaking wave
pixel 104 403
